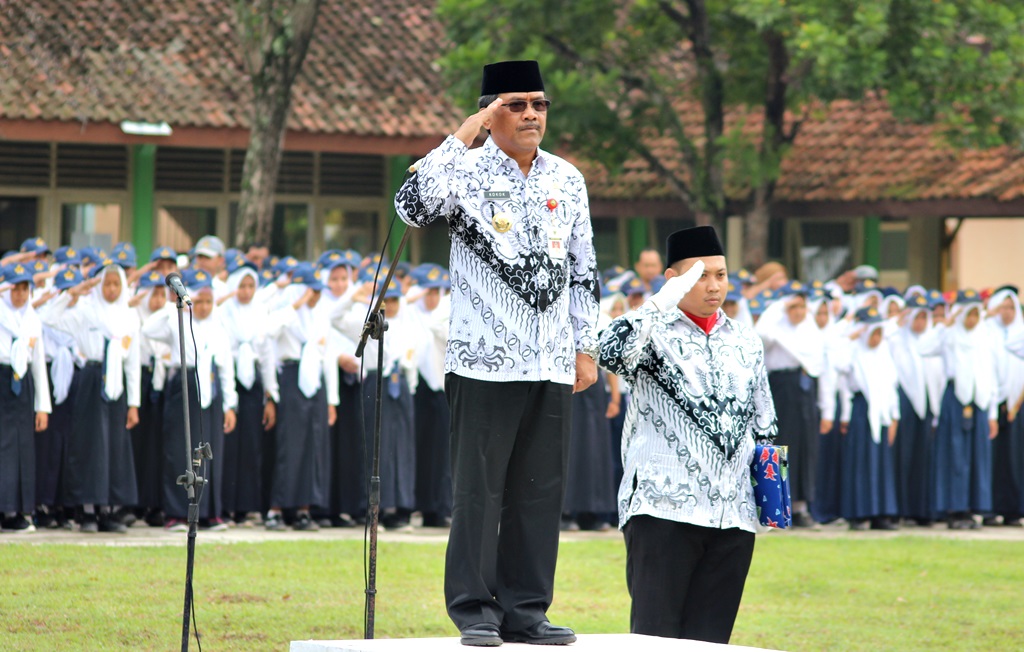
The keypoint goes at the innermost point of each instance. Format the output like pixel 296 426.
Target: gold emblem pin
pixel 501 223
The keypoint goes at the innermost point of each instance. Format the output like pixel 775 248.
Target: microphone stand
pixel 190 480
pixel 374 327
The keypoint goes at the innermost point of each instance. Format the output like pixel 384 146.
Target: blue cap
pixel 270 262
pixel 657 283
pixel 792 289
pixel 433 276
pixel 865 285
pixel 124 257
pixel 34 245
pixel 151 280
pixel 163 253
pixel 918 301
pixel 935 299
pixel 868 316
pixel 367 273
pixel 393 291
pixel 90 255
pixel 967 296
pixel 69 278
pixel 19 273
pixel 101 264
pixel 744 276
pixel 331 259
pixel 733 293
pixel 286 264
pixel 633 286
pixel 757 305
pixel 123 246
pixel 612 272
pixel 67 256
pixel 267 276
pixel 236 260
pixel 196 279
pixel 403 267
pixel 305 273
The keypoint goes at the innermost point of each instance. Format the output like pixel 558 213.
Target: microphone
pixel 174 282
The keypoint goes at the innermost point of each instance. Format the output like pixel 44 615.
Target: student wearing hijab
pixel 794 355
pixel 24 399
pixel 402 343
pixel 430 306
pixel 244 321
pixel 832 393
pixel 963 449
pixel 915 442
pixel 1007 324
pixel 348 493
pixel 868 494
pixel 212 401
pixel 100 467
pixel 307 381
pixel 61 355
pixel 147 443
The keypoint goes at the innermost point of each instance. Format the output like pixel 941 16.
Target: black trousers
pixel 509 449
pixel 686 581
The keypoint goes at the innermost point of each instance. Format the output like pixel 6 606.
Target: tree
pixel 727 84
pixel 275 36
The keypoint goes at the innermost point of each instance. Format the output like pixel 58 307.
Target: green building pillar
pixel 639 238
pixel 873 241
pixel 143 208
pixel 398 166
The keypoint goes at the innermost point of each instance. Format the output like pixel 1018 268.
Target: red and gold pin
pixel 552 204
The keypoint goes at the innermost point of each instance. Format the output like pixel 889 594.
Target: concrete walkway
pixel 143 535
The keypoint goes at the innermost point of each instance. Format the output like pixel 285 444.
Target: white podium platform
pixel 584 643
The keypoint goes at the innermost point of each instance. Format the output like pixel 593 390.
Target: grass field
pixel 905 593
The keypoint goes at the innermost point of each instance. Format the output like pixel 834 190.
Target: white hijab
pixel 804 341
pixel 877 378
pixel 910 363
pixel 119 324
pixel 1010 367
pixel 968 360
pixel 309 328
pixel 25 329
pixel 242 324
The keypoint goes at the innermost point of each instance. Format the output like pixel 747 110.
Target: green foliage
pixel 618 72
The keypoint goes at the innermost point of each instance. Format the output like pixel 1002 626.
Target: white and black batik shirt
pixel 519 310
pixel 699 404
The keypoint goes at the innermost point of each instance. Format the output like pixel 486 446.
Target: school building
pixel 131 124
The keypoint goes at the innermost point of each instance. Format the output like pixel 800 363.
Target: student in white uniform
pixel 100 470
pixel 24 399
pixel 307 378
pixel 212 400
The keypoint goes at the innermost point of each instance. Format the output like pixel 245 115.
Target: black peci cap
pixel 692 243
pixel 511 77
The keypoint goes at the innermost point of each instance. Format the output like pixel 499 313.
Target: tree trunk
pixel 275 37
pixel 755 230
pixel 261 168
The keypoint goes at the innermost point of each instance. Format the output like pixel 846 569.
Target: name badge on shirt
pixel 497 194
pixel 556 245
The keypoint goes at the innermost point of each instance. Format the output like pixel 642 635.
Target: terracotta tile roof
pixel 369 71
pixel 849 151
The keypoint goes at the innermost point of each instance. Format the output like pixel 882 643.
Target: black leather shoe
pixel 541 633
pixel 481 635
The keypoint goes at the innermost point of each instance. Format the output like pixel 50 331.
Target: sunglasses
pixel 518 106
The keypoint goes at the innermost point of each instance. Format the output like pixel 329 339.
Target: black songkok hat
pixel 511 77
pixel 692 243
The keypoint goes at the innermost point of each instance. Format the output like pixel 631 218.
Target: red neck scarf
pixel 705 323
